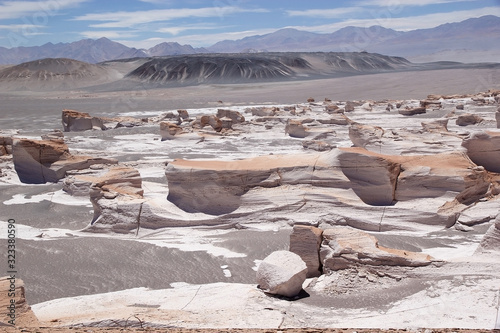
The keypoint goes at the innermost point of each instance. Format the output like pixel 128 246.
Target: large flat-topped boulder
pixel 483 148
pixel 75 121
pixel 345 247
pixel 42 161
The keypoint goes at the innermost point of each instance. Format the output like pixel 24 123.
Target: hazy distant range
pixel 472 40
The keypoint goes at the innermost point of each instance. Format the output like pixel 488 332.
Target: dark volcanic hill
pixel 235 68
pixel 54 74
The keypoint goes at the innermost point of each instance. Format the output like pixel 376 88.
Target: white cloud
pixel 400 3
pixel 129 19
pixel 37 9
pixel 325 13
pixel 405 23
pixel 16 27
pixel 111 34
pixel 196 40
pixel 175 30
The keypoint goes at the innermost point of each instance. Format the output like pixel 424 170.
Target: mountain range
pixel 476 39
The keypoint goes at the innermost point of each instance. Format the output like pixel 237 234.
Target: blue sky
pixel 145 23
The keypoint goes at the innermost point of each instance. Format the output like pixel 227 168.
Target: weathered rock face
pixel 497 117
pixel 22 315
pixel 491 240
pixel 344 247
pixel 296 129
pixel 373 178
pixel 440 125
pixel 305 241
pixel 168 131
pixel 117 198
pixel 235 116
pixel 483 148
pixel 5 145
pixel 412 111
pixel 363 135
pixel 41 161
pixel 468 119
pixel 74 121
pixel 282 273
pixel 213 121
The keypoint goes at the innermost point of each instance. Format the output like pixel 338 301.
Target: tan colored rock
pixel 263 111
pixel 168 131
pixel 373 177
pixel 491 240
pixel 332 108
pixel 306 241
pixel 117 198
pixel 235 116
pixel 15 310
pixel 439 125
pixel 363 135
pixel 282 273
pixel 483 148
pixel 412 111
pixel 74 121
pixel 183 114
pixel 5 145
pixel 468 119
pixel 345 247
pixel 41 161
pixel 213 121
pixel 296 129
pixel 430 103
pixel 336 119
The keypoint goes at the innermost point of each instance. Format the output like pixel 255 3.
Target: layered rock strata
pixel 42 161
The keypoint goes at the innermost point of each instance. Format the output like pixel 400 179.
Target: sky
pixel 145 23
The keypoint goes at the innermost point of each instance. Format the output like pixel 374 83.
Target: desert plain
pixel 169 230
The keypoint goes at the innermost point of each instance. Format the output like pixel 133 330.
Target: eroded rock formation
pixel 41 161
pixel 117 198
pixel 15 309
pixel 305 241
pixel 344 247
pixel 483 148
pixel 169 131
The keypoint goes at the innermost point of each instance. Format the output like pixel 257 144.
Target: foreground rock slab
pixel 15 309
pixel 344 247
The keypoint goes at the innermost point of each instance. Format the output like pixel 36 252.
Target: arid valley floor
pixel 215 202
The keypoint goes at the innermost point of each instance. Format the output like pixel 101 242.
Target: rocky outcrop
pixel 5 145
pixel 491 240
pixel 15 308
pixel 282 273
pixel 439 125
pixel 262 111
pixel 235 116
pixel 169 131
pixel 305 241
pixel 373 177
pixel 483 148
pixel 117 198
pixel 468 119
pixel 412 111
pixel 75 121
pixel 344 247
pixel 296 129
pixel 363 135
pixel 213 121
pixel 41 161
